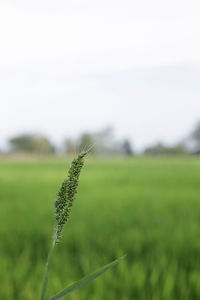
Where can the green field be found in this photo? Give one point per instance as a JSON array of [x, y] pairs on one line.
[[148, 208]]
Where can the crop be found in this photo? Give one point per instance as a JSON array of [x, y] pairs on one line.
[[63, 205], [148, 206]]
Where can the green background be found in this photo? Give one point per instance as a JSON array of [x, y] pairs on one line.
[[148, 208]]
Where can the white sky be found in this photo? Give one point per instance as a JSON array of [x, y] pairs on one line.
[[70, 66]]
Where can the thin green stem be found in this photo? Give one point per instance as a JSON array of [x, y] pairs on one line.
[[45, 279]]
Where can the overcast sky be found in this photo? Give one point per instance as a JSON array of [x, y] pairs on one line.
[[75, 65]]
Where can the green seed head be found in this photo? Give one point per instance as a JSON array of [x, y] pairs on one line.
[[66, 195]]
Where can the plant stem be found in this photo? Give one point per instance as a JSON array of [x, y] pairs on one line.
[[45, 279]]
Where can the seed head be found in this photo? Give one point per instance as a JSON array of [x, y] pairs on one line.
[[66, 195]]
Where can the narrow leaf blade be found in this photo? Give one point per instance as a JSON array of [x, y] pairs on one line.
[[85, 280]]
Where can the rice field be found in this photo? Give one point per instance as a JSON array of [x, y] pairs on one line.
[[148, 208]]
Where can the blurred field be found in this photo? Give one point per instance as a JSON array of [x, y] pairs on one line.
[[148, 208]]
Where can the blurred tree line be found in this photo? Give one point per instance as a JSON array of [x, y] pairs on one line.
[[99, 143], [190, 146], [31, 143], [102, 142]]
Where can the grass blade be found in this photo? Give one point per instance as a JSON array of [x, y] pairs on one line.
[[85, 280]]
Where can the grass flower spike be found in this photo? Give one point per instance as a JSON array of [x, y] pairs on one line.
[[66, 195]]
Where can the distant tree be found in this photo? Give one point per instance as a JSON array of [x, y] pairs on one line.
[[127, 148], [105, 142], [194, 140], [31, 143], [161, 149], [101, 142], [86, 141], [70, 146]]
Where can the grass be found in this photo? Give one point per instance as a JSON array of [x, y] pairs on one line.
[[148, 208]]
